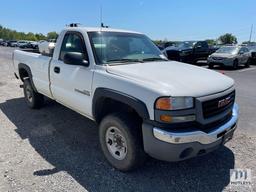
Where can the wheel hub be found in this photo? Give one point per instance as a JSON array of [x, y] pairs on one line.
[[116, 143]]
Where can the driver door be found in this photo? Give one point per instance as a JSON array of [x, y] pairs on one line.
[[71, 83]]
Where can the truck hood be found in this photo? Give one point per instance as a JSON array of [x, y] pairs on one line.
[[172, 48], [223, 55], [174, 78]]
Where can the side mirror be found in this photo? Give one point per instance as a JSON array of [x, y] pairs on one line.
[[241, 53], [198, 47], [75, 58]]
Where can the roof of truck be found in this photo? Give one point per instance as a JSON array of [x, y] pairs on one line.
[[97, 29]]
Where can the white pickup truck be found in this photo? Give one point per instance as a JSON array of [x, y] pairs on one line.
[[143, 103]]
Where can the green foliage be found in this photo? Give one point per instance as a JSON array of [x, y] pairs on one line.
[[8, 34], [228, 38], [52, 35], [211, 41]]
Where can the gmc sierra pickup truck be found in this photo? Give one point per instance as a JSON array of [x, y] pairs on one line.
[[143, 103]]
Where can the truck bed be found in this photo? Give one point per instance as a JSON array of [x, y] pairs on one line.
[[38, 65]]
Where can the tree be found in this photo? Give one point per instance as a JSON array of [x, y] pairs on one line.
[[228, 38], [52, 35], [8, 34], [211, 41]]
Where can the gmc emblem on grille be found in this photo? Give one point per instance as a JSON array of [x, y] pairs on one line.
[[224, 102]]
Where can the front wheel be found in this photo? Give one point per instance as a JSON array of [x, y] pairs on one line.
[[121, 141], [235, 64], [33, 99], [248, 63], [211, 66]]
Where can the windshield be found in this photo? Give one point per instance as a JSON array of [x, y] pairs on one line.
[[252, 48], [116, 47], [228, 50], [185, 44]]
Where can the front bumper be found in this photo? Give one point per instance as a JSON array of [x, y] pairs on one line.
[[177, 146], [224, 62]]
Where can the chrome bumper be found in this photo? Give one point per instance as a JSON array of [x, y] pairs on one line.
[[198, 136]]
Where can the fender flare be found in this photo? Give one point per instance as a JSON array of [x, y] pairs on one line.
[[27, 68], [129, 100]]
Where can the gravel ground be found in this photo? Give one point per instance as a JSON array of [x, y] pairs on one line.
[[55, 149]]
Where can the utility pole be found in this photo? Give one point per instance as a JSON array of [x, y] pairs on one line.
[[251, 34]]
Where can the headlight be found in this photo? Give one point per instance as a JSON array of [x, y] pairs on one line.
[[167, 104], [174, 103]]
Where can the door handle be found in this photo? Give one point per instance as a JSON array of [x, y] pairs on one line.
[[56, 69]]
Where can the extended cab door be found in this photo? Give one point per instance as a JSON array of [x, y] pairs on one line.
[[71, 83], [201, 50]]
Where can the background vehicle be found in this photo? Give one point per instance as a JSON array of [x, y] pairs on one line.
[[189, 51], [12, 43], [121, 80], [231, 56], [164, 45], [252, 49], [52, 40], [23, 44], [4, 43], [34, 44]]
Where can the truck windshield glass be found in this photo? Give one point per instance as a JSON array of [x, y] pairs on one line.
[[228, 50], [185, 44], [121, 48]]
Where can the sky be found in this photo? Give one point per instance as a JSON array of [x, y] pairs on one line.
[[159, 19]]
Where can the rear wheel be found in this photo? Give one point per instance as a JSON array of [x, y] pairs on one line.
[[235, 64], [121, 141], [33, 99]]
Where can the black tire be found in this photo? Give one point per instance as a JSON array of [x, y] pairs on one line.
[[235, 64], [248, 63], [33, 99], [130, 128], [211, 66]]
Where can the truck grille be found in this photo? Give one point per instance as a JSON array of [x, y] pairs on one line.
[[173, 55], [217, 58], [217, 106]]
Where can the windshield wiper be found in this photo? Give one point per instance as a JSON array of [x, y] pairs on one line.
[[155, 59], [123, 61]]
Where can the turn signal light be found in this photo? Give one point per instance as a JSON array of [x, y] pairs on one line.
[[166, 118], [163, 103]]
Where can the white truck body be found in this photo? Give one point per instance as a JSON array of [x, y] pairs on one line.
[[74, 86]]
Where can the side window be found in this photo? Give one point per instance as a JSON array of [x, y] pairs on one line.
[[204, 45], [242, 50], [246, 50], [199, 45], [73, 42]]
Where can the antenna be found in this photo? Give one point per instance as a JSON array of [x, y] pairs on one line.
[[251, 34], [101, 19], [101, 23]]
